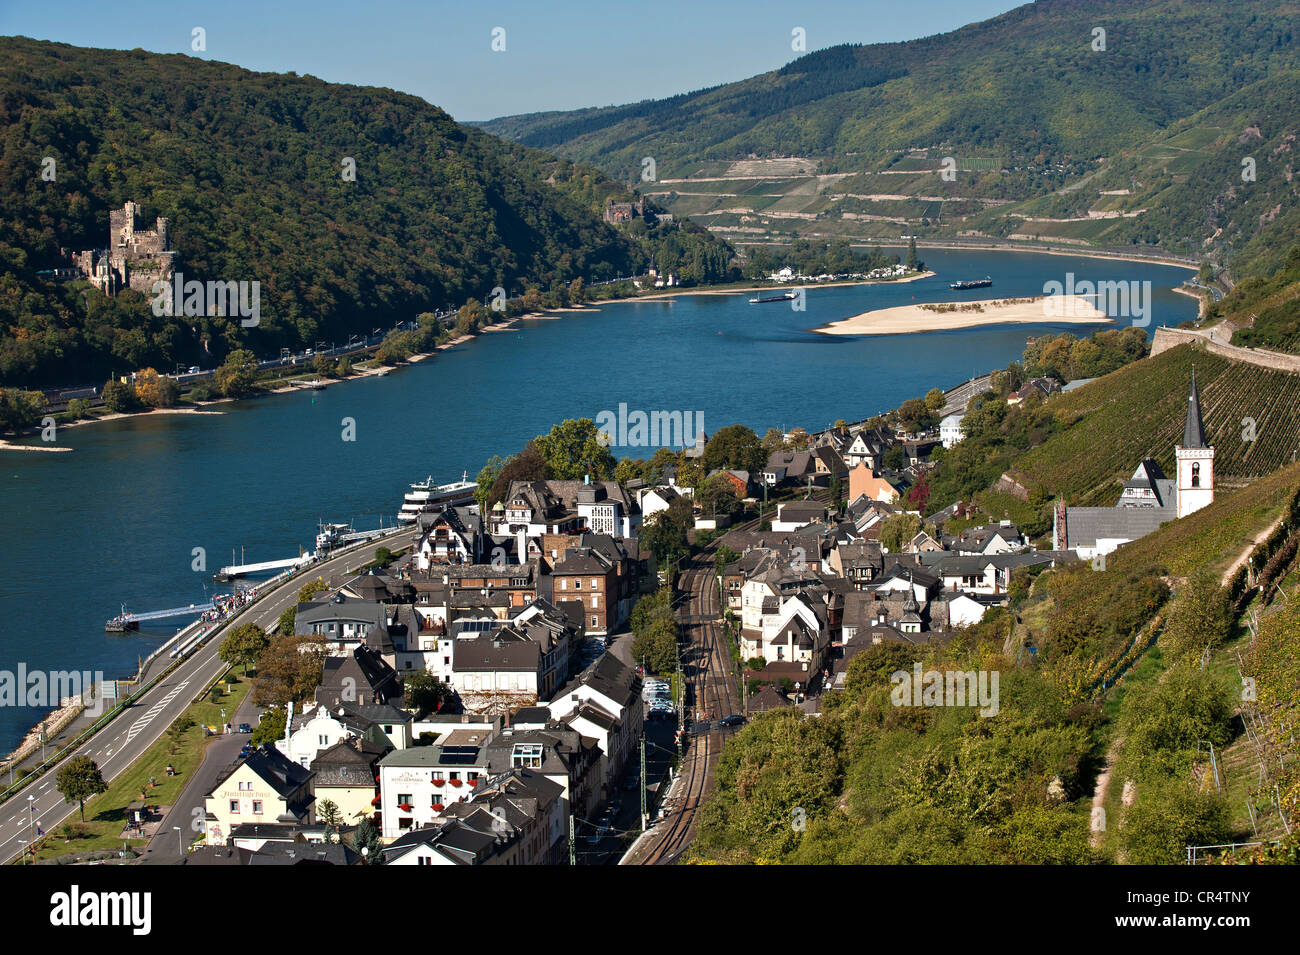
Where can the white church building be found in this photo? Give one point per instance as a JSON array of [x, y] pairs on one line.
[[1149, 498]]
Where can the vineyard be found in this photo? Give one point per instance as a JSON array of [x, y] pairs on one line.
[[1251, 415]]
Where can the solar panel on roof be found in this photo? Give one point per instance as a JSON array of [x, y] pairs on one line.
[[458, 755]]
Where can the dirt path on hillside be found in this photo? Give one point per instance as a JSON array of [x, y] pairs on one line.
[[1102, 790], [1245, 554]]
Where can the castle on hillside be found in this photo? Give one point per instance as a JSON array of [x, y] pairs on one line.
[[1148, 500], [134, 259]]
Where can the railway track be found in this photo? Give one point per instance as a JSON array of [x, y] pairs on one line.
[[713, 692]]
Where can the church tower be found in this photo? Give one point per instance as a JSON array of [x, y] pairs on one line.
[[1195, 460]]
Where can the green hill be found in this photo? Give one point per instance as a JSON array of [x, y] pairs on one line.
[[248, 169], [1264, 312], [1138, 143]]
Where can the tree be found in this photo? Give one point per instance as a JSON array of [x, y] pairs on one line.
[[897, 529], [119, 397], [243, 645], [270, 727], [913, 415], [723, 556], [235, 377], [309, 590], [154, 390], [573, 450], [527, 465], [78, 780], [487, 476], [20, 409], [717, 495], [366, 841], [425, 692], [1201, 617], [913, 264], [690, 473], [327, 812], [653, 623], [287, 620], [286, 672], [1167, 817], [664, 533], [934, 399], [734, 447]]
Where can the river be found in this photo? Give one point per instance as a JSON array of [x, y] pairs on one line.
[[117, 522]]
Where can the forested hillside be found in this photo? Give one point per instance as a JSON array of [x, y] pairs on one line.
[[249, 168]]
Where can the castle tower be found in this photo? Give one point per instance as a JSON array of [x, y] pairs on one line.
[[1195, 460]]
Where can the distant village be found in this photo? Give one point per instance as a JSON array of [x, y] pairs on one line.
[[516, 611]]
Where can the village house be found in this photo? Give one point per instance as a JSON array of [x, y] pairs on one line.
[[344, 774], [263, 787], [864, 483], [793, 515], [454, 535], [516, 819], [604, 703], [950, 429], [535, 508], [417, 784]]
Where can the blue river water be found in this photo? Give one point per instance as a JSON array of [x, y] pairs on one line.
[[117, 521]]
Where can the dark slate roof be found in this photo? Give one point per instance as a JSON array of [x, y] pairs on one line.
[[274, 768], [362, 675], [304, 853], [500, 650], [1085, 525], [1193, 430], [766, 699]]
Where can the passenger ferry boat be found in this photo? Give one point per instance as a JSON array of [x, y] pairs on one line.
[[425, 494]]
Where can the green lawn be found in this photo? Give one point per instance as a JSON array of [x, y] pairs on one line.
[[106, 813]]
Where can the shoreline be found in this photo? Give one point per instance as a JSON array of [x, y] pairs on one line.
[[1203, 297], [771, 287], [6, 445], [558, 313], [1084, 252], [918, 318]]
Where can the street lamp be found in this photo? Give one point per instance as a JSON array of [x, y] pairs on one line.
[[180, 844]]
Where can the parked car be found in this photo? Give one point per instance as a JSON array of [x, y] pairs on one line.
[[735, 719]]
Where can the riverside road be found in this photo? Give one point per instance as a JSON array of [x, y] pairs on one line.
[[130, 734]]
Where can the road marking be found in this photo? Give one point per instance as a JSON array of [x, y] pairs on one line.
[[138, 726]]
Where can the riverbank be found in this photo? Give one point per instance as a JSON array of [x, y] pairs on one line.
[[1204, 298], [1158, 258], [775, 287], [99, 419], [947, 316]]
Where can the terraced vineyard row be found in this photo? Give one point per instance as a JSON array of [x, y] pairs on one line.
[[1139, 411]]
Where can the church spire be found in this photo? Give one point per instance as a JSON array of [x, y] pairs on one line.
[[1193, 431]]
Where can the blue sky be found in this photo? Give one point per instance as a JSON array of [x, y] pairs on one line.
[[561, 54]]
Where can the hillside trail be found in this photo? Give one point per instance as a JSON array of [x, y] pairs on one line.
[[1102, 790], [1245, 554]]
